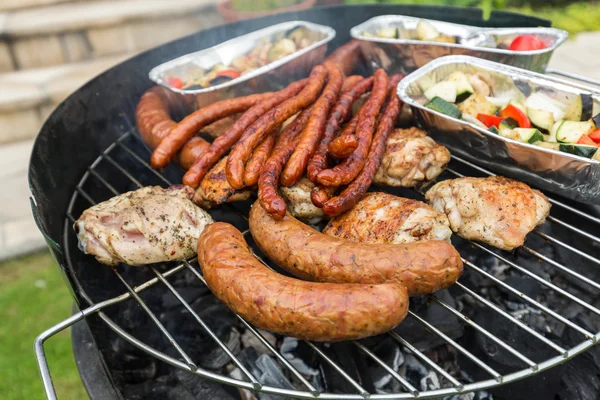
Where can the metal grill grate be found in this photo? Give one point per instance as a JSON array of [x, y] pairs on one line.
[[129, 147]]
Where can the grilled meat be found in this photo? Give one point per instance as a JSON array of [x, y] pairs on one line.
[[215, 190], [494, 210], [411, 157], [145, 226], [299, 203], [384, 218]]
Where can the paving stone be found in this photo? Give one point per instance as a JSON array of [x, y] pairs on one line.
[[75, 46], [38, 51], [110, 40], [20, 237], [15, 96], [19, 125], [19, 4]]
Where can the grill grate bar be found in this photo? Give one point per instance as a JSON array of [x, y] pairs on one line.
[[419, 354], [512, 319], [562, 267], [141, 160], [264, 341], [531, 301], [154, 319], [553, 201], [485, 332], [457, 346], [544, 282], [389, 370], [122, 170], [222, 345], [566, 246]]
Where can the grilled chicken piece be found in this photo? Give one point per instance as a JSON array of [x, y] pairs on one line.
[[215, 190], [384, 218], [411, 157], [299, 203], [495, 210], [145, 226]]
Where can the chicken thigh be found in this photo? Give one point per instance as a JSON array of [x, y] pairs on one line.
[[384, 218], [145, 226], [299, 203], [411, 157], [495, 210], [215, 189]]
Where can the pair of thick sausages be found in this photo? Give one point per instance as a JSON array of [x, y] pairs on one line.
[[306, 310], [421, 267]]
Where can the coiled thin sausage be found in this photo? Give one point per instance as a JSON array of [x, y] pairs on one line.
[[256, 132], [357, 189], [421, 267], [348, 169], [258, 159], [339, 114], [223, 143], [350, 82], [306, 310], [190, 125], [313, 131], [345, 144], [268, 182]]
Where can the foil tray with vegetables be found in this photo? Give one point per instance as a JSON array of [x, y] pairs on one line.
[[263, 60], [402, 44], [543, 130]]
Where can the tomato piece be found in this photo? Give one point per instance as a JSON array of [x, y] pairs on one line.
[[175, 82], [230, 73], [527, 43], [585, 139], [489, 120], [595, 135], [513, 112]]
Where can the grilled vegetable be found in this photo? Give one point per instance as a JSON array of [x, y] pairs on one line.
[[540, 101], [527, 43], [388, 33], [595, 135], [541, 118], [493, 129], [440, 105], [281, 48], [463, 87], [476, 104], [512, 111], [529, 135], [548, 145], [489, 120], [426, 31], [579, 150], [445, 90], [571, 131]]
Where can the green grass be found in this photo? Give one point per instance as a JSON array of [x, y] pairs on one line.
[[33, 297]]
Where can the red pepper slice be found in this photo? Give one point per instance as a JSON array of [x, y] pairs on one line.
[[527, 43], [513, 112], [175, 82], [230, 73], [585, 139], [595, 135], [489, 120]]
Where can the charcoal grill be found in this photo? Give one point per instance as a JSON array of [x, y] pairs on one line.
[[89, 150]]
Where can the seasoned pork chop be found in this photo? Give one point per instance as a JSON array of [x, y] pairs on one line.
[[384, 218], [411, 157], [145, 226], [494, 210]]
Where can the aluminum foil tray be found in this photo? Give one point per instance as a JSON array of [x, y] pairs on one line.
[[405, 55], [571, 176], [272, 76]]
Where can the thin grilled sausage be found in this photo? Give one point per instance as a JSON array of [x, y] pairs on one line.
[[190, 125], [256, 132], [350, 82], [324, 312], [421, 267], [346, 56], [348, 169], [320, 194], [258, 159], [313, 131], [268, 182], [345, 144], [338, 115], [357, 189], [191, 151], [223, 143]]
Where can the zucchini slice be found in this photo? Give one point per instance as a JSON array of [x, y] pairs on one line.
[[571, 131], [499, 102], [548, 145], [540, 101], [440, 105], [445, 90], [541, 118], [463, 87], [388, 33], [579, 150], [529, 135], [575, 109], [426, 31], [596, 120], [493, 129]]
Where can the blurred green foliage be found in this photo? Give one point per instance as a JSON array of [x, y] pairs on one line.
[[260, 5], [573, 17]]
